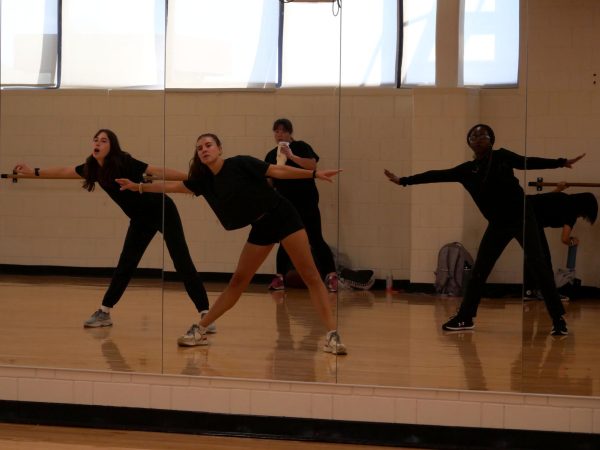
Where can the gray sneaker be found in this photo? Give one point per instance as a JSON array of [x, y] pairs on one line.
[[333, 344], [196, 335], [98, 319], [212, 328]]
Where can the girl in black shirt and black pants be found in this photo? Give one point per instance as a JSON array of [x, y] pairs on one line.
[[490, 180], [107, 162]]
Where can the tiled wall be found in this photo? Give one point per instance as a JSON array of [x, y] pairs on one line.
[[383, 226], [307, 400]]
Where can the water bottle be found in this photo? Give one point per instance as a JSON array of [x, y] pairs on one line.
[[389, 282]]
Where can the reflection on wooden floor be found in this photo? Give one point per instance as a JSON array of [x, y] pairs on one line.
[[34, 437], [393, 339]]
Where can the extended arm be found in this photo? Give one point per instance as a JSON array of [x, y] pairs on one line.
[[166, 174], [535, 163], [158, 187], [431, 176], [293, 173], [50, 172]]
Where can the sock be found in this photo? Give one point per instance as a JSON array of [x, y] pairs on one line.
[[105, 309]]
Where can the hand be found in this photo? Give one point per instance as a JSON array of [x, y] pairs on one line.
[[561, 186], [23, 169], [327, 175], [393, 178], [127, 185], [570, 162], [286, 150]]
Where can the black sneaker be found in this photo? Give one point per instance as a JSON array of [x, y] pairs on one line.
[[457, 323], [559, 327]]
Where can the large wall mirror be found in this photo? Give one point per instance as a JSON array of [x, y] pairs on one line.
[[60, 243]]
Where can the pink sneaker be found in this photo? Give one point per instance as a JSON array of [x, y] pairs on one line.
[[331, 281], [277, 284]]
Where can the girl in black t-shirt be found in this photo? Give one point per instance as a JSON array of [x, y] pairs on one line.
[[107, 162], [558, 210], [490, 180], [238, 192]]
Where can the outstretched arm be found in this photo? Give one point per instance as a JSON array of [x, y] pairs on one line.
[[293, 173], [159, 187], [50, 172], [166, 174]]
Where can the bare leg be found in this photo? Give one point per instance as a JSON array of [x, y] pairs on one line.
[[297, 247], [250, 260]]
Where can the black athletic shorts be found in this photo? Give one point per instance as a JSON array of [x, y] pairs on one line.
[[275, 225]]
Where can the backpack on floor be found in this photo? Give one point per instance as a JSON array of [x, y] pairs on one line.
[[453, 269]]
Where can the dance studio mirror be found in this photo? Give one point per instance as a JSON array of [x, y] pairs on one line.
[[60, 243]]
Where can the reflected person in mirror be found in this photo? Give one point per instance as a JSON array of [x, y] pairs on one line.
[[559, 210], [490, 180], [237, 191], [304, 195], [107, 162]]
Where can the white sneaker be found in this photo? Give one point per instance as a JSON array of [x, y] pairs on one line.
[[212, 328], [333, 344], [196, 335]]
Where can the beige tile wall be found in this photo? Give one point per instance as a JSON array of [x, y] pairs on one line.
[[383, 226]]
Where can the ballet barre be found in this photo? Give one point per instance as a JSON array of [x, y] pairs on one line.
[[16, 176], [540, 183]]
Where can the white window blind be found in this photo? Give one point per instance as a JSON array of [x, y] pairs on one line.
[[418, 51], [491, 42], [311, 43], [29, 42], [222, 44], [113, 43]]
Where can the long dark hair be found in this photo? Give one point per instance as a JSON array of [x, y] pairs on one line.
[[585, 205], [113, 162], [198, 168]]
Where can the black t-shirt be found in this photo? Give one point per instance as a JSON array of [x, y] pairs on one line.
[[147, 206], [553, 209], [491, 182], [301, 191], [239, 194]]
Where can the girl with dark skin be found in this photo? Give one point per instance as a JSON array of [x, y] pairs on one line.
[[238, 192], [107, 162], [490, 181]]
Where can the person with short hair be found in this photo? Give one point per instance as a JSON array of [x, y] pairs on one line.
[[304, 195], [490, 181], [558, 210]]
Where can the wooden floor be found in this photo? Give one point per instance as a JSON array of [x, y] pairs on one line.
[[30, 437], [393, 339]]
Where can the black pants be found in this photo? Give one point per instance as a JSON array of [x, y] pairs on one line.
[[494, 241], [311, 217], [528, 283], [139, 235]]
